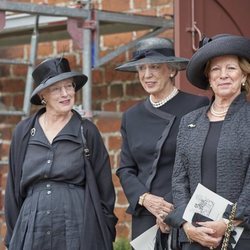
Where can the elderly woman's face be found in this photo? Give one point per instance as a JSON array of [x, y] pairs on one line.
[[60, 96], [155, 78], [225, 76]]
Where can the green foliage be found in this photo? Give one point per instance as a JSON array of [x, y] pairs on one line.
[[122, 244]]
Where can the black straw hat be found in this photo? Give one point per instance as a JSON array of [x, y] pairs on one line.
[[154, 50], [51, 71], [219, 45]]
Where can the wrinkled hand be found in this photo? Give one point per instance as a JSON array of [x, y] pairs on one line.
[[203, 235], [218, 226], [163, 226], [157, 206]]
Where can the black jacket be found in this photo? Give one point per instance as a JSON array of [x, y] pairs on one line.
[[233, 160], [101, 173], [145, 145]]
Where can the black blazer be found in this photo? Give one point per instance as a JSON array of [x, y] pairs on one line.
[[148, 147], [233, 158]]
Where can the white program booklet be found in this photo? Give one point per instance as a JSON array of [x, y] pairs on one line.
[[209, 204], [145, 241]]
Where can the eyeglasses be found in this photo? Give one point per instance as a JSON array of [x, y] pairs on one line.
[[57, 90]]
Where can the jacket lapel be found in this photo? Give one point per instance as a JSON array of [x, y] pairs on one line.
[[168, 117]]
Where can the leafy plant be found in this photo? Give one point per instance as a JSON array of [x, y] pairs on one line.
[[122, 244]]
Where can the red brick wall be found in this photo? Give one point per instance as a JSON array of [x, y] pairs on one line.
[[112, 90]]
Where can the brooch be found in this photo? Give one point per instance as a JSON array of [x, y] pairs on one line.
[[32, 131], [191, 125]]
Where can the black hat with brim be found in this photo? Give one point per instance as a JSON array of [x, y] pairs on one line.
[[219, 45], [154, 50], [52, 71]]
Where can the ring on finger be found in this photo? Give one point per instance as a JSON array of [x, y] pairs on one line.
[[162, 216]]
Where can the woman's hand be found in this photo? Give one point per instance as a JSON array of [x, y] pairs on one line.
[[163, 226], [203, 235], [218, 226], [157, 206]]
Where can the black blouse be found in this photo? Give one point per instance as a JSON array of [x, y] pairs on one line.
[[209, 156], [62, 160]]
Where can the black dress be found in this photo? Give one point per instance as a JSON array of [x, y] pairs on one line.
[[52, 181]]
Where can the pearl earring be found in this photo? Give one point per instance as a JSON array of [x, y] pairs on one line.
[[243, 84], [43, 102]]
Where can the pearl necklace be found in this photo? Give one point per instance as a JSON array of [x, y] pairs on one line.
[[217, 113], [162, 102]]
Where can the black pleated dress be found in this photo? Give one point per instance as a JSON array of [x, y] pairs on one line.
[[53, 180]]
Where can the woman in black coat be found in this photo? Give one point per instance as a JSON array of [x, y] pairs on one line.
[[149, 131], [213, 147], [57, 197]]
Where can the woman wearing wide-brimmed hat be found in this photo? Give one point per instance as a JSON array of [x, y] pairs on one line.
[[149, 131], [213, 146], [54, 199]]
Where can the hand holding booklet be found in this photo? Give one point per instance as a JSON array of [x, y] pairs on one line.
[[208, 204]]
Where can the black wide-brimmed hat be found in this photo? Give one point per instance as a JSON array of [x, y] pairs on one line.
[[219, 45], [154, 50], [51, 71]]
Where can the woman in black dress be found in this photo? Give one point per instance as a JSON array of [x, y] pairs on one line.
[[51, 192], [149, 131], [213, 146]]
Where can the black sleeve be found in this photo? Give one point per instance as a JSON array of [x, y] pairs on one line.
[[102, 170], [128, 171], [12, 202]]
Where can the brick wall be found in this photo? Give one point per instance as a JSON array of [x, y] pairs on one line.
[[112, 91]]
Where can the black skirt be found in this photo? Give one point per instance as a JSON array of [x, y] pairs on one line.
[[51, 218]]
